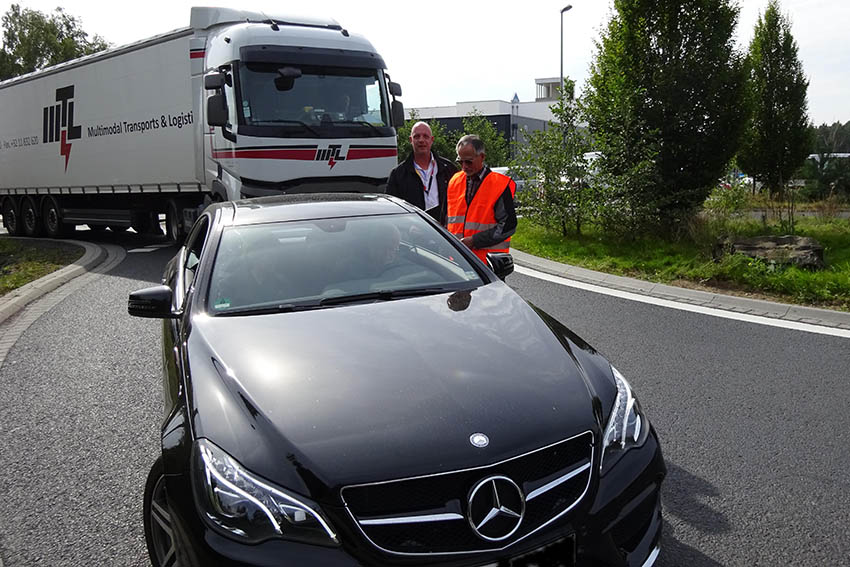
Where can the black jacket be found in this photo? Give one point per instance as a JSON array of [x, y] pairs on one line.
[[406, 184]]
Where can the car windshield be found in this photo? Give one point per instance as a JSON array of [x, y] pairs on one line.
[[314, 264]]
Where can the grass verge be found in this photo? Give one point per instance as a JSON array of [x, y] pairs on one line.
[[22, 261], [689, 262]]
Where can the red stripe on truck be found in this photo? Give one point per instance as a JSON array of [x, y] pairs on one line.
[[196, 54], [368, 153], [305, 154]]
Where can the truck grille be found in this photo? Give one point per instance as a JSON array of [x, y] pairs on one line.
[[430, 514]]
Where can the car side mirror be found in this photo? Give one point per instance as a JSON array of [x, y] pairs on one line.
[[501, 263], [152, 302]]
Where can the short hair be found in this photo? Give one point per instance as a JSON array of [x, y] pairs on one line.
[[473, 140], [421, 123]]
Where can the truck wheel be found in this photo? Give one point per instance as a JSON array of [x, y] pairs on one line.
[[173, 222], [163, 533], [146, 223], [51, 218], [31, 217], [12, 218]]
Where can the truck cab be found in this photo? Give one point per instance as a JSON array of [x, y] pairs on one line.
[[290, 105]]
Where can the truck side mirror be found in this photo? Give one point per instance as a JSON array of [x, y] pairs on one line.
[[216, 110], [214, 81], [395, 89], [398, 113]]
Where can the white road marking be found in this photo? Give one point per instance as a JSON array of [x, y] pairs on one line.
[[713, 312]]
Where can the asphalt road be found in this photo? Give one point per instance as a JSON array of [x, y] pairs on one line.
[[753, 422]]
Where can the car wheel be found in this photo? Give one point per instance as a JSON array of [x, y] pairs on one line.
[[163, 534], [31, 217]]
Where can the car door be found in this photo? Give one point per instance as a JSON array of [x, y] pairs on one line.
[[182, 281]]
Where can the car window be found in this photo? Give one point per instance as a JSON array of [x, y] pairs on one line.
[[305, 262], [194, 249]]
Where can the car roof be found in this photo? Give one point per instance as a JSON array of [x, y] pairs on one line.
[[305, 206]]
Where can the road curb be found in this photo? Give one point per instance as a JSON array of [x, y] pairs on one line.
[[19, 298], [757, 307]]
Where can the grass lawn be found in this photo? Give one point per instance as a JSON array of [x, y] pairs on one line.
[[689, 262], [22, 261]]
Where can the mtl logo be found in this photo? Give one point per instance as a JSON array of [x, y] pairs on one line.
[[58, 122], [331, 154]]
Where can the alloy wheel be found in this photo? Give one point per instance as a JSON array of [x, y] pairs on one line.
[[164, 548]]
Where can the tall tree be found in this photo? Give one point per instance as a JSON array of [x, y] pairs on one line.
[[664, 104], [777, 138], [33, 40]]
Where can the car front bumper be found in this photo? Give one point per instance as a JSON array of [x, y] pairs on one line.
[[619, 524]]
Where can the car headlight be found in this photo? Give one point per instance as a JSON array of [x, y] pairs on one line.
[[245, 507], [627, 425]]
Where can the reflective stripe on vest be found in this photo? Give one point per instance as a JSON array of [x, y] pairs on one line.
[[479, 215]]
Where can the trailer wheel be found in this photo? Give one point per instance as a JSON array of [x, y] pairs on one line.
[[173, 222], [11, 217], [31, 216], [51, 217]]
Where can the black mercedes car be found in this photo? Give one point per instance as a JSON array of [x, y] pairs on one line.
[[347, 385]]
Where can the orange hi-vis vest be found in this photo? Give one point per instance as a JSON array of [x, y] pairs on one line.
[[479, 215]]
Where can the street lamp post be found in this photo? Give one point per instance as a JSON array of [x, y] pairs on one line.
[[561, 84]]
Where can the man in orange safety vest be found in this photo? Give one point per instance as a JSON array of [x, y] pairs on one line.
[[481, 208]]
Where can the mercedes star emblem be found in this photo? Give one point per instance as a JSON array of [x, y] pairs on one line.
[[479, 440], [496, 508]]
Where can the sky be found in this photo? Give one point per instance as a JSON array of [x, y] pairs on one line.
[[443, 52]]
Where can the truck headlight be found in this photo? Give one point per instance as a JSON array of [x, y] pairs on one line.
[[627, 425], [245, 507]]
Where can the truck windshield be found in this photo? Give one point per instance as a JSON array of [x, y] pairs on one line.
[[323, 102]]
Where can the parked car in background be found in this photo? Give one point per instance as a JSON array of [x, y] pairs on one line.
[[520, 183], [346, 384]]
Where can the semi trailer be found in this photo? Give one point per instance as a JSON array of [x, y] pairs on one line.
[[236, 105]]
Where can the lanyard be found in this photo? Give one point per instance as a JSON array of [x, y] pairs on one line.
[[427, 188]]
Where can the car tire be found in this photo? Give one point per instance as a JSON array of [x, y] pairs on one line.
[[164, 535]]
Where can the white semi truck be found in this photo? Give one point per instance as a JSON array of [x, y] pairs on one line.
[[237, 105]]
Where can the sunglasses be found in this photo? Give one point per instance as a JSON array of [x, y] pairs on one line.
[[465, 161]]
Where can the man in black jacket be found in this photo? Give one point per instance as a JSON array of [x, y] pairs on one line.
[[423, 178]]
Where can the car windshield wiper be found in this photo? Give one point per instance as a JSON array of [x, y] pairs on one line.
[[382, 295], [363, 122], [267, 309], [285, 121]]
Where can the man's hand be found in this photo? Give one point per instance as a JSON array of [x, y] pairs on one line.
[[468, 241]]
